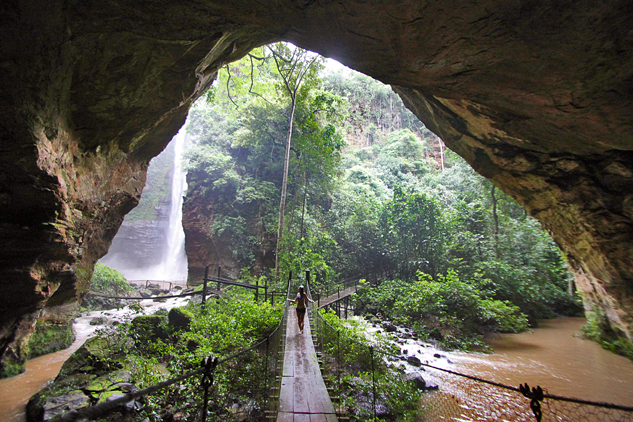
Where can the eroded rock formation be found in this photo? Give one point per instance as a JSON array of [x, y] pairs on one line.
[[535, 95]]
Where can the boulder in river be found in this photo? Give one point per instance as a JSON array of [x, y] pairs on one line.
[[420, 382], [389, 327], [98, 321], [416, 378], [414, 361]]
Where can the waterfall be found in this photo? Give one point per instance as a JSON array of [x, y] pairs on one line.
[[155, 249], [173, 266]]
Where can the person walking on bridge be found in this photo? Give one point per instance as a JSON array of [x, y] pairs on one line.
[[301, 300]]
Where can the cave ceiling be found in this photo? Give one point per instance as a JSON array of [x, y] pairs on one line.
[[536, 96]]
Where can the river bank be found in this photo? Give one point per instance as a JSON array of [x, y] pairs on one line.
[[16, 391]]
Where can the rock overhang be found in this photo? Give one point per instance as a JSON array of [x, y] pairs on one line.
[[536, 96]]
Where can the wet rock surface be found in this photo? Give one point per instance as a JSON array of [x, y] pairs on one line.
[[87, 378]]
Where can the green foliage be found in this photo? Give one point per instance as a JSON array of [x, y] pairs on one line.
[[451, 311], [237, 164], [416, 229], [108, 280], [363, 358], [599, 330], [11, 368], [152, 350], [223, 326], [354, 349]]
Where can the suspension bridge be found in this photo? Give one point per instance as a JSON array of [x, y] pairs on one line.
[[296, 390]]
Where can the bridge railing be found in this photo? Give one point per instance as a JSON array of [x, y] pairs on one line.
[[265, 362], [328, 290], [460, 396]]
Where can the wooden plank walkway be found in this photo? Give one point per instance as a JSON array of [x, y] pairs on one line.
[[337, 296], [303, 396]]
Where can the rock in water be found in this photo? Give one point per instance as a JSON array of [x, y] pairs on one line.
[[413, 360], [417, 379]]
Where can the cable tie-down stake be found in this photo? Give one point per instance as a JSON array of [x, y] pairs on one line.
[[536, 394]]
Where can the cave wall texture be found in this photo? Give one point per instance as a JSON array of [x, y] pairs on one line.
[[536, 95]]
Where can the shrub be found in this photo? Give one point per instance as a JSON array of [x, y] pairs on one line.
[[108, 280], [448, 310]]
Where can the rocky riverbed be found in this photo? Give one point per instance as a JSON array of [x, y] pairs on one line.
[[42, 372]]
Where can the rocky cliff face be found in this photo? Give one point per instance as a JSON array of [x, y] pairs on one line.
[[536, 96], [204, 248], [138, 244]]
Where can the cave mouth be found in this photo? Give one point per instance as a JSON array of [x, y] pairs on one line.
[[137, 252], [536, 98]]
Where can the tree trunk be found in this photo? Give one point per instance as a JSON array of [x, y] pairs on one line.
[[495, 217], [284, 183], [305, 195]]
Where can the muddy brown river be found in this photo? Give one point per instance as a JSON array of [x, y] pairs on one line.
[[552, 356], [556, 358]]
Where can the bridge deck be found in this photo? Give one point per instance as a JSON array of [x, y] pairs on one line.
[[303, 396], [337, 296]]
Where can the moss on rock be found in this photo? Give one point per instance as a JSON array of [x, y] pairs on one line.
[[600, 330], [93, 357], [148, 328], [50, 337], [11, 368], [179, 318]]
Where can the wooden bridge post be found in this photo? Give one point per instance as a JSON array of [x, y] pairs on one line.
[[219, 272], [256, 290], [204, 288], [266, 289]]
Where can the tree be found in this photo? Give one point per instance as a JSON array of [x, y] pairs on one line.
[[295, 66], [415, 225]]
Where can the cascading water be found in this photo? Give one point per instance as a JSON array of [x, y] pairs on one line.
[[173, 266], [155, 250]]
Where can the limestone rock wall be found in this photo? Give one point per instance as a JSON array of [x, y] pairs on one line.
[[536, 96], [88, 97], [204, 248]]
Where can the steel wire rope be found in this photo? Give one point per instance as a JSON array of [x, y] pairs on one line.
[[107, 407], [496, 384]]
